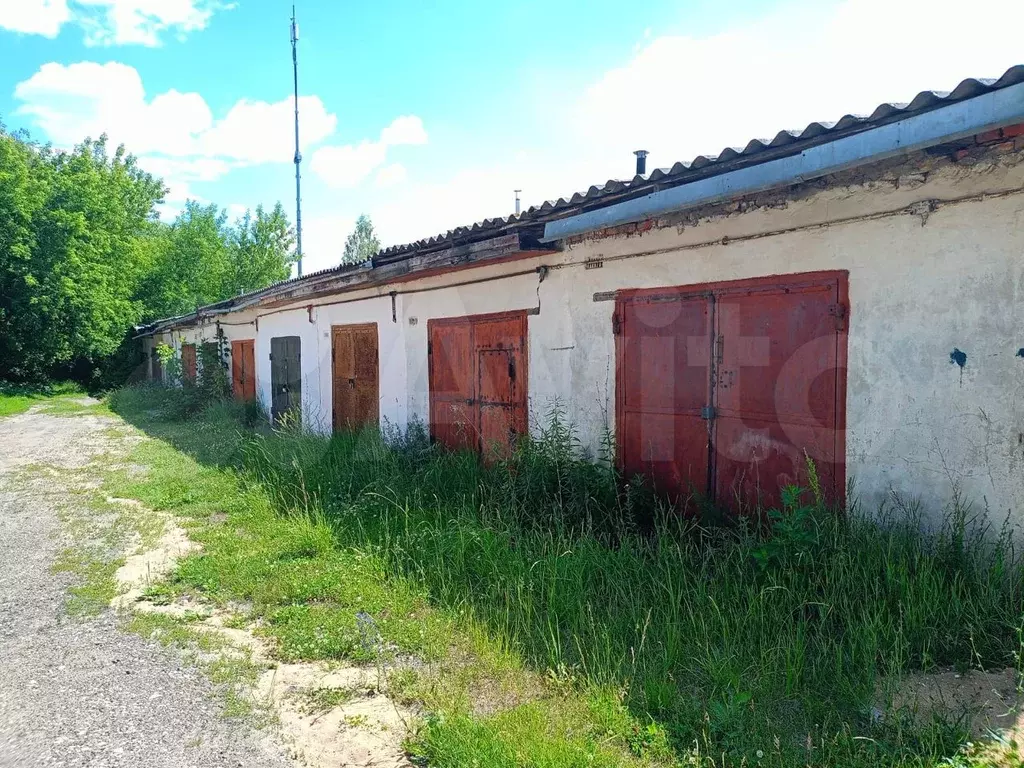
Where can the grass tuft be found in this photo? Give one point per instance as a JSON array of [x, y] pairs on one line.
[[544, 612]]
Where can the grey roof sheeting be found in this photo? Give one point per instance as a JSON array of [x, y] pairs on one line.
[[756, 151]]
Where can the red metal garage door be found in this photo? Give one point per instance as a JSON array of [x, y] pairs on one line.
[[750, 398], [663, 387], [478, 381]]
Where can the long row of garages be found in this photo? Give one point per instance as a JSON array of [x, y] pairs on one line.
[[872, 326]]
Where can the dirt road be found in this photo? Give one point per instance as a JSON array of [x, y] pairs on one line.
[[80, 692]]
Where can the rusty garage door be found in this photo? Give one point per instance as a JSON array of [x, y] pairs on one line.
[[285, 376], [243, 369], [478, 380], [722, 388], [188, 362], [356, 398]]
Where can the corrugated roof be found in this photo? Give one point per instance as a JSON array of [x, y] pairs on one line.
[[755, 151], [790, 142]]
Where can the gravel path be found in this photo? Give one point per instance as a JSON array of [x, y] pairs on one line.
[[81, 692]]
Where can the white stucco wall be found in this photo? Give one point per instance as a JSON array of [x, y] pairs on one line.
[[391, 352], [919, 287], [316, 359]]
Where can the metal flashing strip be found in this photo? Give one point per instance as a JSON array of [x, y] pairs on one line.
[[989, 111]]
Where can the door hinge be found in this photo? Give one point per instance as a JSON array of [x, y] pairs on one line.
[[512, 369], [838, 311], [616, 324], [708, 412]]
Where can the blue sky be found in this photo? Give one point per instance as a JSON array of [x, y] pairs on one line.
[[428, 115]]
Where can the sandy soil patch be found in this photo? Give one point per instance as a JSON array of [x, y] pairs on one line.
[[985, 702], [365, 729]]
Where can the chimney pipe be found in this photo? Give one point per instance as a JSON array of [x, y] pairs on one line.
[[517, 191], [641, 161]]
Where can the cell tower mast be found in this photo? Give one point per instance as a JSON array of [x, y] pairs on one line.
[[298, 155]]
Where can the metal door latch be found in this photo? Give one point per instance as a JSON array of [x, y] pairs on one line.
[[708, 412]]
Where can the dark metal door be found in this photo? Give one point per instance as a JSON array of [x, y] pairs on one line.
[[356, 399], [664, 346], [158, 368], [285, 376]]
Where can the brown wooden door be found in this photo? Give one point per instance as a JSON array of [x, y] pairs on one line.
[[452, 373], [725, 389], [355, 376], [188, 362], [478, 381], [243, 369], [501, 377]]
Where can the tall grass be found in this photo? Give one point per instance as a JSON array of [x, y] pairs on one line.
[[730, 638]]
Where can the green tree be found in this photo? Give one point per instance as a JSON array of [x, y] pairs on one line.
[[84, 258], [261, 250], [191, 262], [71, 252], [362, 244]]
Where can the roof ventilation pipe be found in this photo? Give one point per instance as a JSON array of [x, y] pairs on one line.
[[641, 161]]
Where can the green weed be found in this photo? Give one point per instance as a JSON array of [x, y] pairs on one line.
[[568, 617], [18, 398]]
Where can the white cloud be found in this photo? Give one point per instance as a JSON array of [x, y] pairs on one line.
[[142, 22], [414, 211], [258, 132], [407, 129], [323, 240], [175, 134], [347, 166], [34, 17], [179, 175], [391, 175], [88, 99], [680, 96], [110, 22], [236, 211]]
